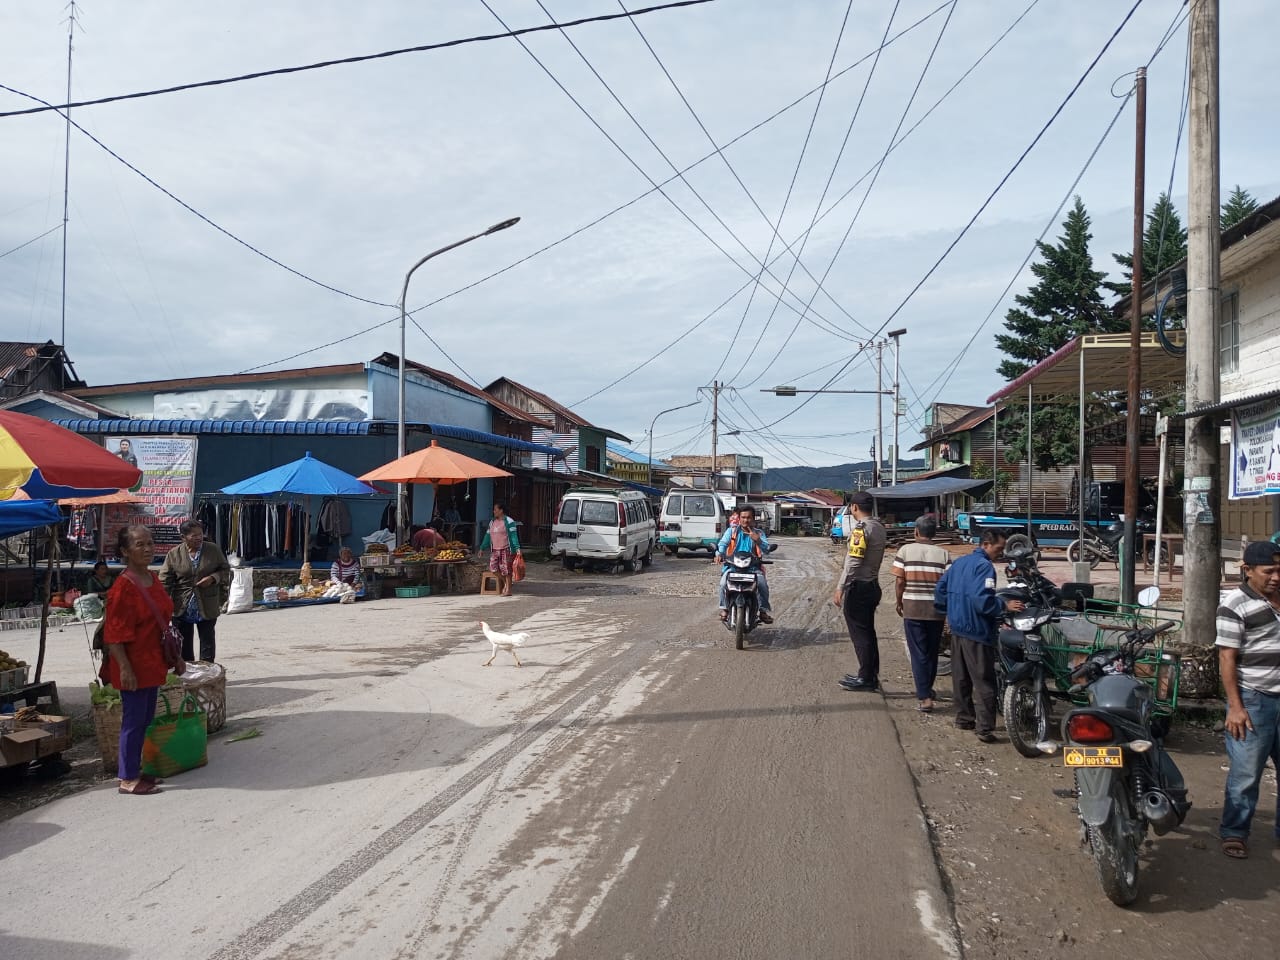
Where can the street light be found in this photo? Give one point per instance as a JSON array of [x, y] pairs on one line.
[[402, 524], [652, 424], [897, 402]]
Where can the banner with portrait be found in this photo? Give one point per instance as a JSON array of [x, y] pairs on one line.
[[167, 489], [1255, 449]]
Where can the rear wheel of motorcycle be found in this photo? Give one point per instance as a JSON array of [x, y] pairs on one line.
[[1091, 554], [1115, 852], [1026, 717], [740, 628]]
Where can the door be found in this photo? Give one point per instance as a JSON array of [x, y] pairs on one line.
[[598, 528], [700, 519]]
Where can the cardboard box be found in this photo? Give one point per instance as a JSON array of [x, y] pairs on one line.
[[33, 739]]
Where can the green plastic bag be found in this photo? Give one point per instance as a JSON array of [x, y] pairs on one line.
[[176, 741]]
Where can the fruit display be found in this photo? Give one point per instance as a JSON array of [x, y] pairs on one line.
[[10, 663], [449, 555], [380, 548]]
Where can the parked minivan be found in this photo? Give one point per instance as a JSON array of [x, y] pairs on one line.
[[604, 526], [691, 519]]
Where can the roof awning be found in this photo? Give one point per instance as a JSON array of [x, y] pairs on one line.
[[309, 428], [1225, 405], [933, 487], [1056, 379]]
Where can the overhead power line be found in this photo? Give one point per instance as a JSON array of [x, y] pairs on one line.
[[985, 203], [53, 229], [421, 48]]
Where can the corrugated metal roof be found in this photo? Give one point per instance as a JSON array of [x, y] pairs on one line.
[[310, 428], [1227, 404]]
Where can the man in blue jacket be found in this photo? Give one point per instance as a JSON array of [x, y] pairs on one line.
[[744, 537], [967, 595]]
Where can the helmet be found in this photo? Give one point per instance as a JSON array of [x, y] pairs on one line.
[[1019, 547]]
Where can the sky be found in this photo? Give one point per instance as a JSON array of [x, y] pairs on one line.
[[351, 173]]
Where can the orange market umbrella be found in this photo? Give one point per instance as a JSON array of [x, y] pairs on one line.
[[120, 496], [435, 465]]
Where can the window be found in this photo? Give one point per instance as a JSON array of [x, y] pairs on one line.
[[675, 506], [699, 506], [600, 513], [1229, 334], [593, 459], [569, 511], [631, 512]]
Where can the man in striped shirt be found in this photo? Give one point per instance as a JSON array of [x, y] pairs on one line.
[[1249, 661], [916, 570]]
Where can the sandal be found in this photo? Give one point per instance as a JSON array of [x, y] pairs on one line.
[[140, 789], [765, 617], [724, 616], [1235, 848], [924, 707]]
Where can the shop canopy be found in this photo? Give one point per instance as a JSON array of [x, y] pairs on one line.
[[1101, 361], [923, 489], [19, 516], [306, 476]]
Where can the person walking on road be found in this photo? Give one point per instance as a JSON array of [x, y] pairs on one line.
[[503, 544], [198, 577], [857, 592], [916, 571], [967, 595], [1248, 628]]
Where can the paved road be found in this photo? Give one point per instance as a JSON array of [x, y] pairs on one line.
[[638, 788]]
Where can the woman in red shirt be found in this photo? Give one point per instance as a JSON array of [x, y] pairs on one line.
[[131, 634]]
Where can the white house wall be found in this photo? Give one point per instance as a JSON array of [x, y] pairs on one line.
[[1259, 313]]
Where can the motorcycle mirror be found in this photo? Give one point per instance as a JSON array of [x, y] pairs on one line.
[[1149, 597], [773, 547]]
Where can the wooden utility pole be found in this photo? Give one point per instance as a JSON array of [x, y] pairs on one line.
[[715, 429], [1202, 535], [1133, 448]]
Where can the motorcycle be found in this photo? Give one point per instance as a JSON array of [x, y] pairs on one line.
[[1125, 781], [1022, 673], [741, 595], [1095, 546]]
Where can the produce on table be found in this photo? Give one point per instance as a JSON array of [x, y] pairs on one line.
[[10, 663]]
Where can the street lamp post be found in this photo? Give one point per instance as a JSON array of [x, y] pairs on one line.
[[652, 424], [402, 520], [897, 403]]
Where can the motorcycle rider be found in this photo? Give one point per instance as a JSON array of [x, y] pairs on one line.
[[742, 538]]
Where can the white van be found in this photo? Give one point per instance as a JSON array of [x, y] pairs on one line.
[[599, 525], [692, 519]]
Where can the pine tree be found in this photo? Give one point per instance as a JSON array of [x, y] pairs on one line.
[[1063, 303], [1164, 243], [1238, 206]]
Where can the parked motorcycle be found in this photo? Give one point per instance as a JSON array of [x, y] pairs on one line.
[[741, 595], [1125, 781], [1021, 670], [1095, 546]]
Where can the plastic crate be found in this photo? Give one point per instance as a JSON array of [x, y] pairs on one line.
[[406, 593], [11, 680]]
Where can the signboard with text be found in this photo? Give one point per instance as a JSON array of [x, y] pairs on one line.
[[167, 487], [1255, 449]]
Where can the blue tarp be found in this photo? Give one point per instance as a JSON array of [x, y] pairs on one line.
[[19, 516], [308, 475]]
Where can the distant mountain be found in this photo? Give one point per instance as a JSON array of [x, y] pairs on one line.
[[839, 477]]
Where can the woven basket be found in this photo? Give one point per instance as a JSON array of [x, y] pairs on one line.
[[211, 696], [106, 724], [1199, 678]]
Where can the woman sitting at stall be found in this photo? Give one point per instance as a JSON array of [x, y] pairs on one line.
[[346, 569], [100, 580]]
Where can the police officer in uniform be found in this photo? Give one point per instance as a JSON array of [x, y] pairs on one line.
[[857, 592]]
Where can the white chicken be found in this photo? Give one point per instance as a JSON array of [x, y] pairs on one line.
[[503, 641]]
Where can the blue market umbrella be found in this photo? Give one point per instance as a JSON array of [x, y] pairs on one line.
[[306, 476]]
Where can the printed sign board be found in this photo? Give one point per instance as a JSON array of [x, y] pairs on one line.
[[1255, 450], [167, 487]]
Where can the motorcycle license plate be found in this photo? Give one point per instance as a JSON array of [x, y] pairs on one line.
[[1092, 757]]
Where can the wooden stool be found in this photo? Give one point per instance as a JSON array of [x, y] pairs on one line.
[[489, 586]]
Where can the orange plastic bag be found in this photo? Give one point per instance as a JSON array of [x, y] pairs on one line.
[[517, 569]]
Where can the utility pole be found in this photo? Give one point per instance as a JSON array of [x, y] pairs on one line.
[[879, 407], [715, 427], [1201, 543], [897, 404], [1132, 474], [66, 177]]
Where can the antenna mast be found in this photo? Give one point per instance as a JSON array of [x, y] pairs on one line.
[[66, 176]]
